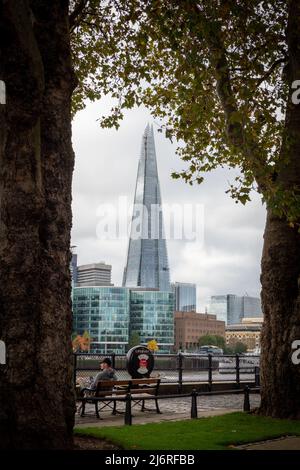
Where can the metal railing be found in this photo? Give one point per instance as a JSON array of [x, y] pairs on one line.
[[179, 368], [128, 399]]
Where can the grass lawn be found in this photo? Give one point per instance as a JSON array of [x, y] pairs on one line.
[[215, 433]]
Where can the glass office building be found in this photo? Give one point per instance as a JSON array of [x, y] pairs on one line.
[[252, 307], [147, 259], [73, 269], [110, 314], [152, 317], [232, 308], [185, 296], [104, 313], [218, 306]]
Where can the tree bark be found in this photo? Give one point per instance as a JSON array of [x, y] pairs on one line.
[[36, 165], [280, 378]]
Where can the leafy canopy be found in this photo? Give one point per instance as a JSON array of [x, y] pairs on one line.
[[212, 340], [213, 73]]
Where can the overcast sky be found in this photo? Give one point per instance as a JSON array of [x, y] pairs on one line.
[[228, 260]]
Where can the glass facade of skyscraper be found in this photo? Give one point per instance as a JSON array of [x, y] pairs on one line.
[[104, 313], [235, 311], [147, 259], [152, 316], [111, 314], [73, 269], [232, 308], [185, 296], [218, 306], [252, 307]]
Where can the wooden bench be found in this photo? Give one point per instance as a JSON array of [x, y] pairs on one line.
[[138, 388]]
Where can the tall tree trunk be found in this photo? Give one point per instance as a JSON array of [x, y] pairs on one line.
[[36, 164], [281, 265], [280, 378]]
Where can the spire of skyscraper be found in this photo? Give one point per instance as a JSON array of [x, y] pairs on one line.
[[147, 259]]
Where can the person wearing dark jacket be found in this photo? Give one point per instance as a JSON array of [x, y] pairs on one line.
[[106, 373]]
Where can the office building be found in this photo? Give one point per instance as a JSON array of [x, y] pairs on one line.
[[104, 313], [147, 259], [110, 314], [232, 308], [96, 274], [73, 267], [185, 296], [190, 326], [252, 307], [152, 317]]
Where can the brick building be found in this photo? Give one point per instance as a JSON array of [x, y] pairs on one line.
[[189, 326]]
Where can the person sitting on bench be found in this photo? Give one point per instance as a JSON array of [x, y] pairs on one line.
[[107, 373]]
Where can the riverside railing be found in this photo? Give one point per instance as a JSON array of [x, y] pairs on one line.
[[193, 395], [179, 368]]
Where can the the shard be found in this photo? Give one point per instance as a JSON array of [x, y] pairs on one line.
[[147, 259]]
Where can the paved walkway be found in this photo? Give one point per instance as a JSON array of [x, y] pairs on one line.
[[283, 443], [172, 410]]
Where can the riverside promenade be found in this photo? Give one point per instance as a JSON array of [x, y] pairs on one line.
[[171, 410]]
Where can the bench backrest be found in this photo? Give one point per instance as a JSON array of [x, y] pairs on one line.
[[144, 381], [145, 385], [107, 387]]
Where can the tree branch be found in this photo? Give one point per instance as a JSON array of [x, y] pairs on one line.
[[77, 13], [235, 129], [282, 60]]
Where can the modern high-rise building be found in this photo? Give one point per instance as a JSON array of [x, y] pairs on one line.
[[96, 274], [185, 296], [252, 307], [232, 308], [104, 313], [109, 314], [73, 266], [152, 317], [147, 260]]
